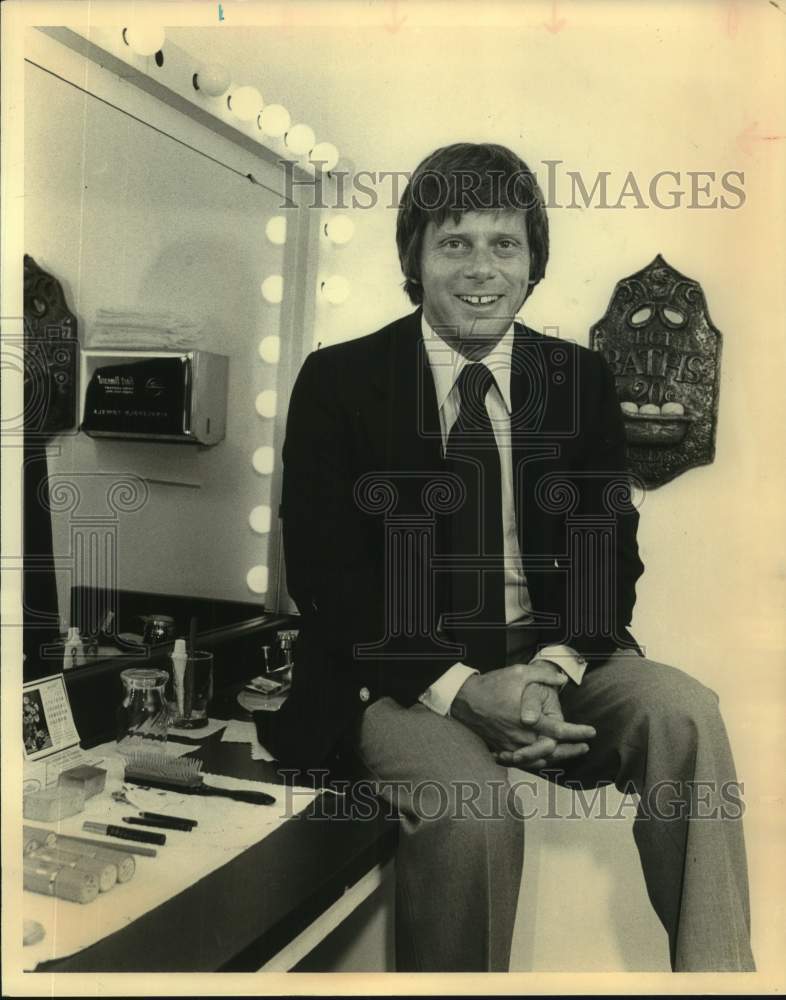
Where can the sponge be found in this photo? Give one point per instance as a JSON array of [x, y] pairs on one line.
[[51, 804], [92, 779]]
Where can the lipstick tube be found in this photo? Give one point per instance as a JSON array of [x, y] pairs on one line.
[[180, 819], [164, 822]]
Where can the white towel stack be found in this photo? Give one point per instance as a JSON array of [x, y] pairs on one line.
[[118, 329]]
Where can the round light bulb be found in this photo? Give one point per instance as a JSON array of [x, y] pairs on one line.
[[274, 120], [340, 229], [256, 578], [144, 39], [260, 518], [273, 288], [245, 103], [266, 403], [300, 139], [324, 156], [270, 349], [276, 230], [263, 460], [335, 289], [345, 167], [213, 80]]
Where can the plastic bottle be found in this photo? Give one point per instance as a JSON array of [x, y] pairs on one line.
[[179, 661], [74, 653]]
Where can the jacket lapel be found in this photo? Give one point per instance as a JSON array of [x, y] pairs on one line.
[[409, 439], [411, 430], [534, 450]]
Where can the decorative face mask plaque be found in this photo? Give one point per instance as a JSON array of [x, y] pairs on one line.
[[665, 356], [51, 355]]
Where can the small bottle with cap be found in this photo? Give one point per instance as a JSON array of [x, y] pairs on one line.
[[177, 689], [74, 652]]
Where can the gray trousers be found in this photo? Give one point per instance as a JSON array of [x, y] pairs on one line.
[[460, 856]]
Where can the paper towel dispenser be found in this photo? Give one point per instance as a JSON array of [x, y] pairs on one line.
[[178, 396]]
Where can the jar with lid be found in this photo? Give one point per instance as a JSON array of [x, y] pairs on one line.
[[157, 629], [143, 714]]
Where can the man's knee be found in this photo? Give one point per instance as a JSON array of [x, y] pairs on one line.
[[679, 704], [475, 799], [469, 822]]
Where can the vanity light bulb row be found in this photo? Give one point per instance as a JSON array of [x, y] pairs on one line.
[[274, 121], [245, 102]]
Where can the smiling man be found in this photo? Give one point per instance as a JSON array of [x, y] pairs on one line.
[[461, 543], [476, 268]]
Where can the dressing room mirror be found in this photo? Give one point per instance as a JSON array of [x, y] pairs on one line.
[[166, 234]]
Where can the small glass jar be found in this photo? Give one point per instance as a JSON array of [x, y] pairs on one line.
[[143, 715], [157, 629]]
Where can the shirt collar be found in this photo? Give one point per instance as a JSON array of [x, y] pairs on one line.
[[446, 364]]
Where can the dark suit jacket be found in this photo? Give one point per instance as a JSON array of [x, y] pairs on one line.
[[363, 447]]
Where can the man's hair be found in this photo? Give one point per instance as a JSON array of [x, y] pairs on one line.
[[468, 177]]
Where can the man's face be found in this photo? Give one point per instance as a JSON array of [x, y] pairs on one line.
[[475, 275]]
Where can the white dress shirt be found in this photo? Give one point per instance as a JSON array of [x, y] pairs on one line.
[[445, 365]]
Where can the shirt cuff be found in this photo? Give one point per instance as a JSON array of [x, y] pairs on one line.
[[439, 697], [567, 659]]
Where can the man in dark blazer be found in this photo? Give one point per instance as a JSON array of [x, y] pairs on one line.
[[460, 541]]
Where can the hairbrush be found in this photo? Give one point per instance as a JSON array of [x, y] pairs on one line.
[[182, 774]]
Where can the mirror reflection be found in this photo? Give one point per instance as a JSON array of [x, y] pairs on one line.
[[166, 246]]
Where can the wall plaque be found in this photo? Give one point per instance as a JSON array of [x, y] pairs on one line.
[[664, 353]]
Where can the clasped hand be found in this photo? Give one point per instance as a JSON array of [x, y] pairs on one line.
[[516, 710]]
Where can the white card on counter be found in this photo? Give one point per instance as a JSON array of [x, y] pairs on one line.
[[246, 732], [239, 732], [213, 726], [47, 723], [51, 740]]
